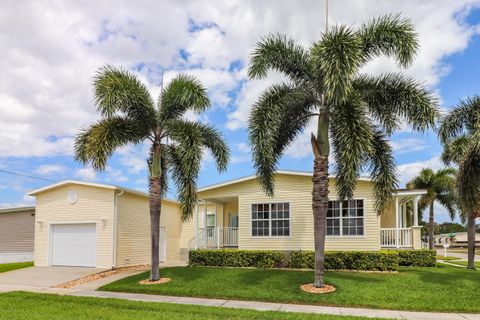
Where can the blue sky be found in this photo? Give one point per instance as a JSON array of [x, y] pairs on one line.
[[50, 58]]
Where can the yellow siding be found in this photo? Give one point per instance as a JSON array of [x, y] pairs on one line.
[[92, 205], [297, 191], [133, 230], [388, 218], [16, 231], [417, 238]]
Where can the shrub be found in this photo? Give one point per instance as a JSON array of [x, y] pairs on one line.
[[352, 260], [417, 258], [236, 258]]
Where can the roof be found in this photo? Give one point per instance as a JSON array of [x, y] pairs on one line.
[[17, 209], [250, 177], [90, 184]]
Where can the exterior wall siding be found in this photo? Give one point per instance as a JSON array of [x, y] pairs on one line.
[[92, 205], [297, 191], [133, 230], [17, 231]]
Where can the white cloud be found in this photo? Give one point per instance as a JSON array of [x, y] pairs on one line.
[[243, 147], [86, 173], [115, 175], [48, 169], [409, 170], [408, 145]]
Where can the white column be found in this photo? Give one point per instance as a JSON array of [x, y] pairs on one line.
[[196, 226], [205, 203], [404, 215], [397, 217], [415, 211]]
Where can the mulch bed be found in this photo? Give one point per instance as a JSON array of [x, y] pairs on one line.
[[310, 288], [160, 281]]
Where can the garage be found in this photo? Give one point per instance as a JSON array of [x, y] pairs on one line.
[[73, 245]]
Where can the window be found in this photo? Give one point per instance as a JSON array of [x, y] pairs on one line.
[[345, 218], [211, 219], [271, 219]]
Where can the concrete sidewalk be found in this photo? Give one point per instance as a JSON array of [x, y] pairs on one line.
[[266, 306]]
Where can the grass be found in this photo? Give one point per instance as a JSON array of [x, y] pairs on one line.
[[464, 263], [447, 258], [444, 288], [23, 305], [13, 266]]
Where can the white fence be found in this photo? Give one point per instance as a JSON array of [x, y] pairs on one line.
[[10, 257], [396, 238], [217, 237]]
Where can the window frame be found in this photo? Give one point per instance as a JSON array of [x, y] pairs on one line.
[[270, 219], [341, 235]]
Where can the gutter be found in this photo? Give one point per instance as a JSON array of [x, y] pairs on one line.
[[115, 213]]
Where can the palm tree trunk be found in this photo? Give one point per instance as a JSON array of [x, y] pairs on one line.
[[431, 228], [320, 206], [471, 241], [155, 209]]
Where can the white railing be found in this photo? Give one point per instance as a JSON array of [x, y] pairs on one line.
[[217, 237], [396, 237], [10, 257]]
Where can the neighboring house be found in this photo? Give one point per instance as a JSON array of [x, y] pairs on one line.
[[238, 214], [98, 225], [459, 239], [16, 234]]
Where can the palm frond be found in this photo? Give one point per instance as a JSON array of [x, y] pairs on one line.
[[469, 176], [464, 119], [275, 120], [383, 171], [96, 144], [118, 91], [392, 36], [352, 137], [183, 93], [279, 53], [337, 57], [455, 150], [392, 98]]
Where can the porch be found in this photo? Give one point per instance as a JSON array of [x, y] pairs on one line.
[[399, 226], [216, 223]]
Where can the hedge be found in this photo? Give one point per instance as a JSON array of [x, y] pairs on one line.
[[417, 258], [352, 260], [236, 258]]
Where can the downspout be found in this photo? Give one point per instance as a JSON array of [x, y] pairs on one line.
[[115, 212]]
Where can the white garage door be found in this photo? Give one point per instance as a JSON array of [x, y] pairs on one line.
[[74, 245]]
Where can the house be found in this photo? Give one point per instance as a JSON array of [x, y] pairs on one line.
[[238, 214], [16, 234], [99, 225], [455, 239]]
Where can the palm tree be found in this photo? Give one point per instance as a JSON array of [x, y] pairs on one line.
[[130, 115], [440, 187], [460, 135], [354, 112]]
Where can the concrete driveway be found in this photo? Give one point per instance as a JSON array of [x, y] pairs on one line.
[[44, 276]]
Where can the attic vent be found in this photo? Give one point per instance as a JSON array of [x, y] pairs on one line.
[[72, 197]]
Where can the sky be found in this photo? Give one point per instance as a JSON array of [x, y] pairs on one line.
[[51, 49]]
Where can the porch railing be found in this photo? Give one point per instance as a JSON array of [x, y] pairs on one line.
[[218, 237], [396, 237]]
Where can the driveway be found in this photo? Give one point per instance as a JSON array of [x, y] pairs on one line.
[[43, 277], [462, 256]]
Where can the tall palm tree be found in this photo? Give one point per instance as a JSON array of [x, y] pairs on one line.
[[354, 112], [130, 115], [460, 135], [440, 187]]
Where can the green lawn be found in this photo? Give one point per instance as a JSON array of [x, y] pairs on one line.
[[12, 266], [22, 305], [444, 288], [447, 258], [464, 263]]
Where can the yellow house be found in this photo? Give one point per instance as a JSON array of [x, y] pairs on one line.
[[106, 226], [99, 225], [238, 214]]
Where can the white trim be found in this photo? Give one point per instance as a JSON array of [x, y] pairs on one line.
[[412, 192], [16, 209], [115, 215], [250, 177], [270, 220], [92, 184]]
